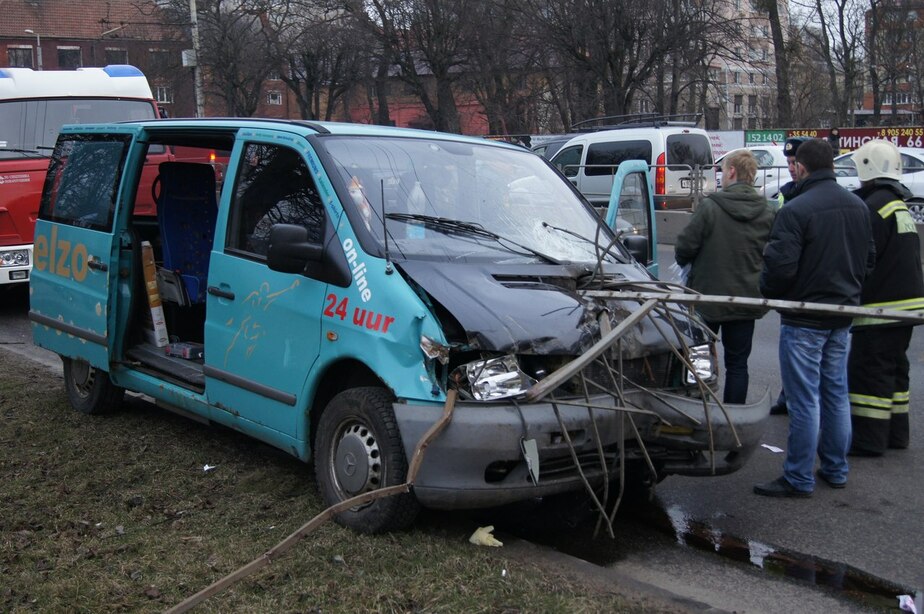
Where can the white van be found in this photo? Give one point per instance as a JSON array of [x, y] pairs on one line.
[[675, 153]]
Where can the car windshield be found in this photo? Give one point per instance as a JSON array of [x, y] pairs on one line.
[[452, 200]]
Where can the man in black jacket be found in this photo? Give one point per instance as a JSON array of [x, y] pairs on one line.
[[877, 369], [820, 250]]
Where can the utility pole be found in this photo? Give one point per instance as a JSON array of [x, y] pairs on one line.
[[38, 47], [197, 70]]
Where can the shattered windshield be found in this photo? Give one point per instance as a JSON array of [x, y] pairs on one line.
[[453, 200]]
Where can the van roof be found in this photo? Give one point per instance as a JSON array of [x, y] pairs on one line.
[[113, 81], [303, 127], [636, 120], [634, 133]]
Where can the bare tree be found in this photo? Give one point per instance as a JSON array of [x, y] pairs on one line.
[[236, 51], [782, 61], [321, 55], [811, 104], [889, 50], [502, 58], [838, 40], [425, 40]]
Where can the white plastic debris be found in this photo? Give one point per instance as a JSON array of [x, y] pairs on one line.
[[773, 449], [482, 537], [906, 604], [208, 467]]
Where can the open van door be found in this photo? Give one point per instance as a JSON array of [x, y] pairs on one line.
[[631, 212], [73, 302]]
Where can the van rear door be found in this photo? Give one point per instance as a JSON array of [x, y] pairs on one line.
[[72, 299], [686, 152]]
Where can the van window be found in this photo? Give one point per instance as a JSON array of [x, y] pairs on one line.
[[602, 158], [83, 179], [688, 149], [568, 160], [273, 187]]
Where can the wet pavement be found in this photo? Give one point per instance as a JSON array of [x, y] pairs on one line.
[[870, 531]]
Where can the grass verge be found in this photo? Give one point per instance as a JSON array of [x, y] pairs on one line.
[[117, 513]]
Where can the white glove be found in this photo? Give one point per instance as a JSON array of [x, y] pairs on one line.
[[482, 537]]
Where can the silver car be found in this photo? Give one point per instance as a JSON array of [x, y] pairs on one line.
[[912, 177]]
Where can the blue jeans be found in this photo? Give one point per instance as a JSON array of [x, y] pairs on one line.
[[813, 366]]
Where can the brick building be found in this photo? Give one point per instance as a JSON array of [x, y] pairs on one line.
[[67, 35]]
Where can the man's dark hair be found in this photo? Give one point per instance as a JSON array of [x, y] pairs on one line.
[[815, 155]]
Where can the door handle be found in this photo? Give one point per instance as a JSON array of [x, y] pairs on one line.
[[215, 291], [98, 265]]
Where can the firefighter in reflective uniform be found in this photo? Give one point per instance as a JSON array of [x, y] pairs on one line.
[[878, 363]]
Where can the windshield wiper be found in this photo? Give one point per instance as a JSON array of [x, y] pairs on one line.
[[33, 152], [473, 228], [608, 249]]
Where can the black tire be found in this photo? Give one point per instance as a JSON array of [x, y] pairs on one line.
[[89, 390], [358, 449]]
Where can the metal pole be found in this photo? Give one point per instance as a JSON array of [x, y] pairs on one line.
[[38, 47], [197, 70], [827, 309]]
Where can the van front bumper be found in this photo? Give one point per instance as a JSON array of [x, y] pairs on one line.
[[477, 461]]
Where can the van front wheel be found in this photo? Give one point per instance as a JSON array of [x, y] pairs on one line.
[[358, 449], [89, 390]]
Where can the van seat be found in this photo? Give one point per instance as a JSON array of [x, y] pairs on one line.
[[187, 212]]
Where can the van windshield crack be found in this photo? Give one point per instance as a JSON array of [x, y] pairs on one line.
[[450, 225]]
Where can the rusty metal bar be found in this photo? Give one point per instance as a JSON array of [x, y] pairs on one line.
[[800, 306]]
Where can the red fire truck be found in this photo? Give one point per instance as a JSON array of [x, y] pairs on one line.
[[33, 107]]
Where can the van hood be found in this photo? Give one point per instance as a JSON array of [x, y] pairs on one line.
[[529, 308]]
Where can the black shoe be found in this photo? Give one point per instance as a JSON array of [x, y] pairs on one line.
[[827, 480], [780, 488], [779, 409]]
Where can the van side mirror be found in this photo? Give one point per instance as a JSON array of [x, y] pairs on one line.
[[637, 246], [289, 250]]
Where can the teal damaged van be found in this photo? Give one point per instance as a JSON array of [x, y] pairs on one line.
[[322, 286]]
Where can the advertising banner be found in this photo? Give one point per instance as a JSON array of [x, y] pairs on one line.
[[850, 138]]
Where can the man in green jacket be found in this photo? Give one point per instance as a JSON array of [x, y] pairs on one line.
[[723, 244]]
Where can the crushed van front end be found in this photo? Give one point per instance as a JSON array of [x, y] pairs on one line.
[[478, 460]]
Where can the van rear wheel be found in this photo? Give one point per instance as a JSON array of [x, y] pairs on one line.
[[89, 390], [358, 449]]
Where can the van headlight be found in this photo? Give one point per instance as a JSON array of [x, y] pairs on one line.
[[497, 378], [14, 257], [703, 360]]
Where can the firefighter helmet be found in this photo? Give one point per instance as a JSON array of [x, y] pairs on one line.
[[878, 159]]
